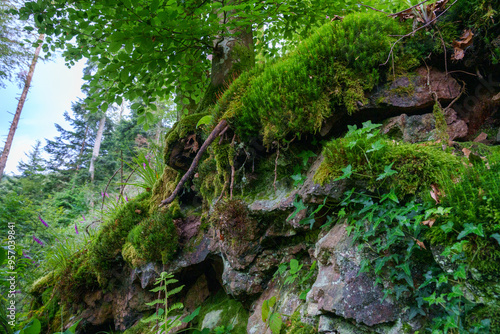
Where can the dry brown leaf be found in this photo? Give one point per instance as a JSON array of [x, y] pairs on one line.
[[192, 145], [435, 193], [420, 244], [482, 136], [429, 222], [462, 44], [466, 152]]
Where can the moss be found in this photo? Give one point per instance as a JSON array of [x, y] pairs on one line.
[[43, 283], [404, 91], [108, 244], [155, 238], [474, 198], [441, 125], [328, 74], [417, 165], [229, 311], [295, 326], [164, 186], [141, 328], [233, 221], [491, 312], [131, 256], [181, 129]]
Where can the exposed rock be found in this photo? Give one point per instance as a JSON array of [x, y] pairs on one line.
[[340, 290], [287, 303], [411, 93], [240, 284], [420, 128], [197, 293], [187, 228]]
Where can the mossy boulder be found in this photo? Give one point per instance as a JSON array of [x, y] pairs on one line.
[[221, 310], [104, 252]]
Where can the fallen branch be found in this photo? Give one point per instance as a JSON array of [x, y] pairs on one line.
[[215, 132]]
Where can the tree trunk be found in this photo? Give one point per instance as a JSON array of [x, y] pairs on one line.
[[233, 53], [20, 105], [97, 147], [233, 49]]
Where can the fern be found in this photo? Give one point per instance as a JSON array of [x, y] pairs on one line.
[[162, 315]]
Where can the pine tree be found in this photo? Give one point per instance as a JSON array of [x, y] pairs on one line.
[[35, 164]]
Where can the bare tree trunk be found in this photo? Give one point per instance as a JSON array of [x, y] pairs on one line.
[[97, 147], [20, 105]]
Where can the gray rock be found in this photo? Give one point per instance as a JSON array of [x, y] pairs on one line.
[[340, 290]]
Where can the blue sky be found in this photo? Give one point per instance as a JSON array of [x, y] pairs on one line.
[[53, 88]]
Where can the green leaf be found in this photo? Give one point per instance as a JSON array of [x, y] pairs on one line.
[[275, 323], [150, 117], [347, 173], [294, 265], [33, 327], [265, 310], [378, 145], [114, 47], [305, 155], [190, 317], [495, 236], [448, 227], [204, 120], [471, 228], [387, 172], [299, 206], [3, 255]]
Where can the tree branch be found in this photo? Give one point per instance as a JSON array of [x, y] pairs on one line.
[[215, 132]]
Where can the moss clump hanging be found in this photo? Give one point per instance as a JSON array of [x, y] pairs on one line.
[[155, 238]]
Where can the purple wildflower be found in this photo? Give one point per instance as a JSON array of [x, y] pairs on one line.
[[43, 222], [126, 198], [26, 256], [38, 241], [106, 194], [83, 216], [76, 229], [144, 165], [209, 57]]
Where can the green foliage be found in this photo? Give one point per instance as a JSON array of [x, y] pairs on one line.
[[108, 243], [233, 317], [149, 167], [371, 157], [326, 75], [155, 237], [474, 198], [392, 234], [164, 315]]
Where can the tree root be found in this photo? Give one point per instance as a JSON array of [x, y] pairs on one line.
[[215, 132]]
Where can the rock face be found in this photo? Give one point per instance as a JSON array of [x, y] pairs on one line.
[[420, 128], [411, 93], [340, 290]]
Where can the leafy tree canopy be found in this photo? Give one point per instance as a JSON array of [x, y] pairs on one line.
[[150, 48]]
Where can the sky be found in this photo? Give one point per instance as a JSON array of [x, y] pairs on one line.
[[53, 89]]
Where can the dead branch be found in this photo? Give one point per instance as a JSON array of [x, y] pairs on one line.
[[215, 132], [375, 9], [407, 9], [232, 172], [414, 31], [276, 167]]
